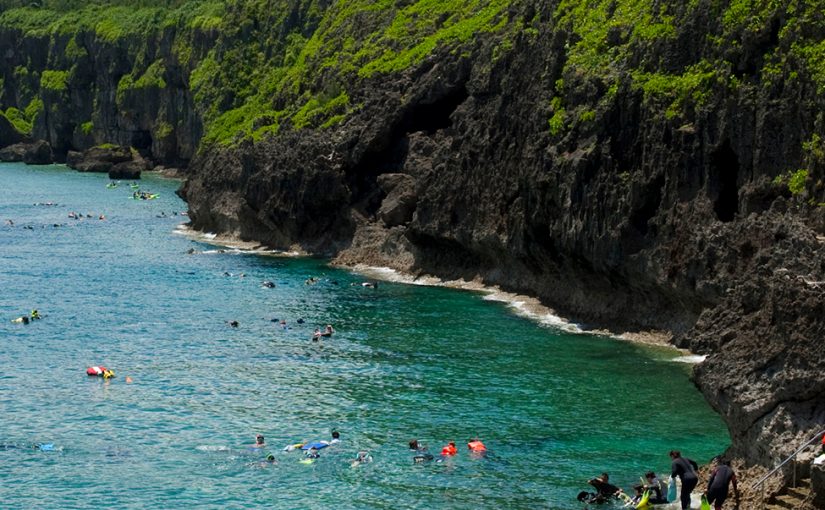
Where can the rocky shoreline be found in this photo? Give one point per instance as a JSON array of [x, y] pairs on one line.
[[667, 175], [725, 258]]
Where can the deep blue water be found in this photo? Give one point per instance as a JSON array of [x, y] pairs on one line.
[[406, 362]]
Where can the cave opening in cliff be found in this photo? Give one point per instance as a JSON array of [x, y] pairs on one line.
[[390, 157], [433, 116], [141, 140], [652, 197], [723, 182]]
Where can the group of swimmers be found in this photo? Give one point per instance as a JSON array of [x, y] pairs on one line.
[[318, 334], [652, 491], [79, 216], [422, 454], [114, 184], [311, 450], [43, 447]]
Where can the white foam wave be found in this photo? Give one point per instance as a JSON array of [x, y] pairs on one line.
[[524, 306], [231, 245], [532, 309], [212, 448], [690, 358]]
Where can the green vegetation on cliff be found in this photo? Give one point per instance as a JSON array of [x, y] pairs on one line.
[[301, 75], [54, 80], [254, 68]]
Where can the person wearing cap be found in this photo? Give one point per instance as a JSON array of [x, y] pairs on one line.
[[259, 442]]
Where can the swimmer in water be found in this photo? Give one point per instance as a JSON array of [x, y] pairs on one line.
[[259, 442], [449, 450], [363, 457], [476, 446], [21, 320], [421, 453]]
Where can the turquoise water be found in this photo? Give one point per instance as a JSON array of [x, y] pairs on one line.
[[406, 362]]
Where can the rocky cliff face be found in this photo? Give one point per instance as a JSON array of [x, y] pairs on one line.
[[82, 87], [636, 165], [627, 216]]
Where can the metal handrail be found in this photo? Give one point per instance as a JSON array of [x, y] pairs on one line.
[[792, 456]]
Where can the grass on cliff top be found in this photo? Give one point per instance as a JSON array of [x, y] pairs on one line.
[[114, 21], [634, 42], [310, 77]]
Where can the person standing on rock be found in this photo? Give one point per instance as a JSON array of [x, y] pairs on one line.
[[721, 477], [685, 469]]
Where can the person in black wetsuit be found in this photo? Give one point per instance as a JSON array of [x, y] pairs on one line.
[[685, 469], [721, 477], [605, 490], [421, 453]]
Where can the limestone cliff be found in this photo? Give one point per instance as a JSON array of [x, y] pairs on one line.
[[613, 201], [634, 164]]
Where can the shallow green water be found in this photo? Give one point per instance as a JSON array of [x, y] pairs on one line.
[[407, 362]]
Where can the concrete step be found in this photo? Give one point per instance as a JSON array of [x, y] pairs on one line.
[[789, 501], [799, 492], [793, 498]]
